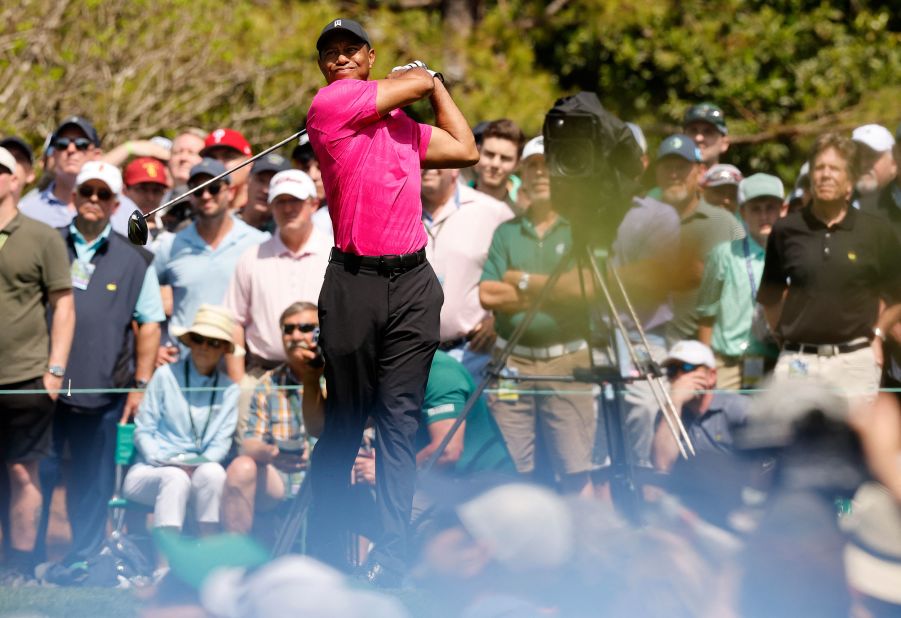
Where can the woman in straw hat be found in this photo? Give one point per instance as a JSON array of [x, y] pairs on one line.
[[184, 427]]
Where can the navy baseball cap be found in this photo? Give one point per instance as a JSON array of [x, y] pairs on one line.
[[272, 162], [82, 123], [680, 146], [208, 167], [706, 112], [347, 25], [13, 143]]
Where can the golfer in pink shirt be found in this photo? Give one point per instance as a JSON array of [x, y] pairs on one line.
[[380, 302]]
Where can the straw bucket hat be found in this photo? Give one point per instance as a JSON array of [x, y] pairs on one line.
[[211, 321]]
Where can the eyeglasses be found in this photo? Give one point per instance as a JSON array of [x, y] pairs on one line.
[[88, 192], [214, 190], [674, 369], [81, 143], [304, 328], [201, 340]]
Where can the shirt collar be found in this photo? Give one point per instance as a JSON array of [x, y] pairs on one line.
[[79, 239], [14, 223], [282, 249], [48, 195], [450, 207], [847, 223], [529, 227]]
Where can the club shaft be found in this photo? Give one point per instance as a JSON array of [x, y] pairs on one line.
[[174, 200]]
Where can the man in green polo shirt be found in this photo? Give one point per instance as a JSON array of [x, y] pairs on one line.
[[678, 171], [726, 298], [524, 252], [34, 271], [478, 446]]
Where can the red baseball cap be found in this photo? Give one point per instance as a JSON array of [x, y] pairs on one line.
[[145, 169], [228, 138]]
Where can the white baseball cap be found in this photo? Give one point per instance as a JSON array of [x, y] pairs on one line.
[[7, 160], [104, 172], [534, 146], [292, 182], [874, 136], [692, 352]]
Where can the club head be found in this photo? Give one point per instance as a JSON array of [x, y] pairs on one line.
[[137, 228]]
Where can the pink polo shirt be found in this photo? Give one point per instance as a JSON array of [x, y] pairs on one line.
[[268, 278], [370, 168]]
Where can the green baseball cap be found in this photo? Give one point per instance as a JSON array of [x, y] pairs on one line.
[[193, 560], [760, 185]]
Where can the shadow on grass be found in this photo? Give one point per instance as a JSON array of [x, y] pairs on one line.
[[67, 602]]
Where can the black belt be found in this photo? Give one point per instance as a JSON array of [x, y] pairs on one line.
[[827, 349], [383, 264], [444, 346]]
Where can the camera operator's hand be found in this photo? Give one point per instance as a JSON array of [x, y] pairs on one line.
[[686, 387], [483, 336]]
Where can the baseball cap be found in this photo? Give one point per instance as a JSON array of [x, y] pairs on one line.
[[208, 167], [873, 556], [104, 172], [638, 134], [82, 123], [7, 160], [722, 174], [760, 185], [12, 143], [534, 146], [525, 526], [692, 352], [291, 182], [228, 138], [348, 25], [145, 169], [874, 136], [272, 162], [706, 112], [681, 146]]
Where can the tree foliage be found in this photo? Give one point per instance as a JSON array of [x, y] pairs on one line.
[[783, 70]]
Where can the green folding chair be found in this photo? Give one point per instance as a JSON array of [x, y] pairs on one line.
[[125, 450]]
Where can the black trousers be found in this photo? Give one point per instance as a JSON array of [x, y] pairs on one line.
[[379, 332]]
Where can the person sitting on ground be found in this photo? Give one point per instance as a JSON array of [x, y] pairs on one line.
[[708, 416], [184, 427], [274, 450]]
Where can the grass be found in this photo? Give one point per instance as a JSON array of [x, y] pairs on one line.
[[67, 603]]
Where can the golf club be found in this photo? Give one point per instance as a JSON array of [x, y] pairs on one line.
[[137, 221]]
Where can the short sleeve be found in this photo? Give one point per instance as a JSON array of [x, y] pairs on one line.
[[425, 135], [497, 263], [57, 275], [774, 279], [161, 260], [343, 107], [149, 307], [445, 397], [237, 296], [711, 287]]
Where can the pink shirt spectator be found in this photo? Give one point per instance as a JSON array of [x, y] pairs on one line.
[[267, 279], [459, 238], [376, 208]]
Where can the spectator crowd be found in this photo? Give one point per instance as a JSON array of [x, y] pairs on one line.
[[206, 340]]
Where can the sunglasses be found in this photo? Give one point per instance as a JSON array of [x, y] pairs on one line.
[[89, 192], [81, 143], [201, 340], [304, 328], [676, 368], [214, 190]]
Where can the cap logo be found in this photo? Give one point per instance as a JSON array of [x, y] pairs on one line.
[[677, 143], [150, 169], [218, 134], [337, 23]]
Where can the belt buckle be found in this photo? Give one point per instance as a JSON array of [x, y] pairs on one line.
[[826, 349], [384, 263]]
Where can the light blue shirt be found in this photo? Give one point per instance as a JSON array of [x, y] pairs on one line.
[[198, 273], [163, 427], [149, 307], [45, 207], [119, 220]]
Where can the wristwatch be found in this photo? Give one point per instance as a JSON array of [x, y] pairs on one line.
[[141, 383], [523, 284], [879, 333], [56, 371]]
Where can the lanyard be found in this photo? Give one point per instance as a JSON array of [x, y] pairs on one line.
[[747, 248], [198, 439]]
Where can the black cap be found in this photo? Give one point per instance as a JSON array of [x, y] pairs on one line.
[[82, 123], [12, 143], [706, 112], [272, 162], [343, 24]]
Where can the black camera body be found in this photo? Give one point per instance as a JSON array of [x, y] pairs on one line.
[[594, 163]]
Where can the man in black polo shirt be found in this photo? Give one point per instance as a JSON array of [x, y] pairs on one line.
[[827, 268]]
